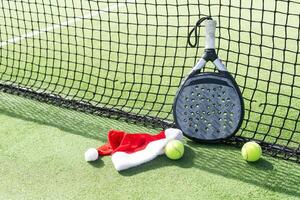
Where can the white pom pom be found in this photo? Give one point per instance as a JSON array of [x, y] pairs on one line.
[[91, 155]]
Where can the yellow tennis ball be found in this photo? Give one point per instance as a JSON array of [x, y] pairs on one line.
[[251, 151], [174, 149]]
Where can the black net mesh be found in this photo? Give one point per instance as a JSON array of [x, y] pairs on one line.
[[127, 58]]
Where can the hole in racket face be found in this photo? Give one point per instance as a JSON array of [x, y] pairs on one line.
[[213, 106]]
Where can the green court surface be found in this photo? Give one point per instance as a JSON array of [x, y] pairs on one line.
[[41, 156], [132, 56]]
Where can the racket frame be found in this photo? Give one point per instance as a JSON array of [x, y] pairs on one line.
[[210, 55]]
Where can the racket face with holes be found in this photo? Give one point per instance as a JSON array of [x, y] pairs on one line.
[[209, 107]]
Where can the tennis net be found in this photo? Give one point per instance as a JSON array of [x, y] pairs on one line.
[[126, 59]]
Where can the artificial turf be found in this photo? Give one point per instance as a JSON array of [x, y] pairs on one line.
[[112, 63], [41, 156], [133, 56]]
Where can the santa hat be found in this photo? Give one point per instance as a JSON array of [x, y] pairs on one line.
[[129, 150]]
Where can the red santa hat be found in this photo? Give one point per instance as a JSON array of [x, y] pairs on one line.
[[129, 150]]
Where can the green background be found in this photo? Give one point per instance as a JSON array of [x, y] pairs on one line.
[[125, 58], [133, 56], [41, 156]]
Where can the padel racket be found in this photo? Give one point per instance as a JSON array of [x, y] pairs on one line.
[[208, 106]]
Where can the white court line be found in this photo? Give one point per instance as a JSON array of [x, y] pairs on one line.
[[63, 24]]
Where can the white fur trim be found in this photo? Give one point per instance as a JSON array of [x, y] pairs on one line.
[[91, 155], [171, 132], [122, 160]]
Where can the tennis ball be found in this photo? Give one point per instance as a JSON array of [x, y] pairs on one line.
[[251, 151], [174, 149]]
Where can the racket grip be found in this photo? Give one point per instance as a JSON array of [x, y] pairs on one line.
[[210, 34]]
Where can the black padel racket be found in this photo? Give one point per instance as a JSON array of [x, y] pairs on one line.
[[208, 106]]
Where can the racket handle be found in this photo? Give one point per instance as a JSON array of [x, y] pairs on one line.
[[210, 34]]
